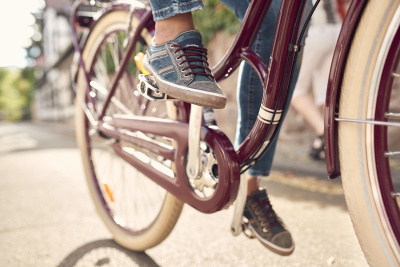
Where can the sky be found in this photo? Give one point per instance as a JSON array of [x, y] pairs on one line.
[[16, 30]]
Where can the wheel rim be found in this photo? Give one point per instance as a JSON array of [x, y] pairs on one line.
[[132, 201]]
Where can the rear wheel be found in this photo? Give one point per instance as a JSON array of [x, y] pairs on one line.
[[139, 213], [369, 152]]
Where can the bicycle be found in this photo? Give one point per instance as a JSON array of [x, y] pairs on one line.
[[163, 165]]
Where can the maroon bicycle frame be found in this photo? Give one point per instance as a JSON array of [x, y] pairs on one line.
[[275, 78]]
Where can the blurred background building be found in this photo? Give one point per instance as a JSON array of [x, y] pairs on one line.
[[54, 97]]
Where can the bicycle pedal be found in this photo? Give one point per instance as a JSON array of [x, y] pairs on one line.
[[246, 231], [148, 88]]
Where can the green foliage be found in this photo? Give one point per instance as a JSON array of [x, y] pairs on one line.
[[15, 93], [213, 18]]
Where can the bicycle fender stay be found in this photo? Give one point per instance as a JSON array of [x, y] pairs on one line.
[[334, 86]]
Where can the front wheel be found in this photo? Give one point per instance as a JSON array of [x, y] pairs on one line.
[[369, 151], [139, 213]]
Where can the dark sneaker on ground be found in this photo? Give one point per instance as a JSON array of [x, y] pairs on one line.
[[265, 224], [181, 70], [317, 151]]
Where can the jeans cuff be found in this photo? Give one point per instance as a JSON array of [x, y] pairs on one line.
[[258, 173], [178, 9]]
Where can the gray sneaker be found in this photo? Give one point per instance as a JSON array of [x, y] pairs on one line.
[[267, 227], [181, 70]]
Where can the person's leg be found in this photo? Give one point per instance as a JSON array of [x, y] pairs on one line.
[[316, 63], [173, 17], [330, 33], [270, 230], [302, 101], [250, 89], [305, 106], [177, 60], [313, 56], [168, 28]]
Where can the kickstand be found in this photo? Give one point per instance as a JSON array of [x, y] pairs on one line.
[[237, 220]]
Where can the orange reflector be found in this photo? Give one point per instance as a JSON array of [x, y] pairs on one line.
[[139, 63], [109, 192]]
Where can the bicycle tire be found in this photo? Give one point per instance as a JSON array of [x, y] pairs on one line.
[[365, 171], [121, 216]]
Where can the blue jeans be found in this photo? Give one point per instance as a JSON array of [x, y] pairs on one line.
[[250, 91], [163, 9]]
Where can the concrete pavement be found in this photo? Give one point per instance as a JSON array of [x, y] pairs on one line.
[[48, 219]]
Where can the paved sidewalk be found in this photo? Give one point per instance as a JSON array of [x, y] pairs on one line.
[[291, 156], [51, 220]]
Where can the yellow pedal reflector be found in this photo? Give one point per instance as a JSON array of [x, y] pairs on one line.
[[139, 63], [109, 192]]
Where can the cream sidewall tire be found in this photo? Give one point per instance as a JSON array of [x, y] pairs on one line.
[[171, 209], [355, 150]]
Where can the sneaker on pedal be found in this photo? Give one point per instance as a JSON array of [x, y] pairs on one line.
[[265, 224], [181, 70]]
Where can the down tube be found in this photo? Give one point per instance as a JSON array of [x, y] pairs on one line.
[[273, 79]]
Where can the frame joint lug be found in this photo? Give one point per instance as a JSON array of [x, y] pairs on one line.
[[294, 48]]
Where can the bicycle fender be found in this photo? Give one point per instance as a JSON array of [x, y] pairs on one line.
[[342, 49]]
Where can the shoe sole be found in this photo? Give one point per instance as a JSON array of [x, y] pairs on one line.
[[271, 246], [193, 96]]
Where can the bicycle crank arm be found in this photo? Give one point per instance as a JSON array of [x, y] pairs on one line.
[[193, 164], [237, 220]]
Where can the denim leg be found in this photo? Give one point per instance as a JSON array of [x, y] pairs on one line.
[[163, 9], [250, 91]]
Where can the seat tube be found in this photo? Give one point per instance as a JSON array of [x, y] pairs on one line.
[[275, 79]]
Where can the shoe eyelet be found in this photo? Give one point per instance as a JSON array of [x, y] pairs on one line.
[[265, 230], [261, 218]]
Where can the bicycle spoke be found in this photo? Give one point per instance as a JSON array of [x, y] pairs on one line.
[[391, 115], [382, 123], [390, 154], [101, 75], [112, 47], [96, 85], [396, 75]]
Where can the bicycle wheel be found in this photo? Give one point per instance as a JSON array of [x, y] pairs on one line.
[[368, 163], [139, 213]]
